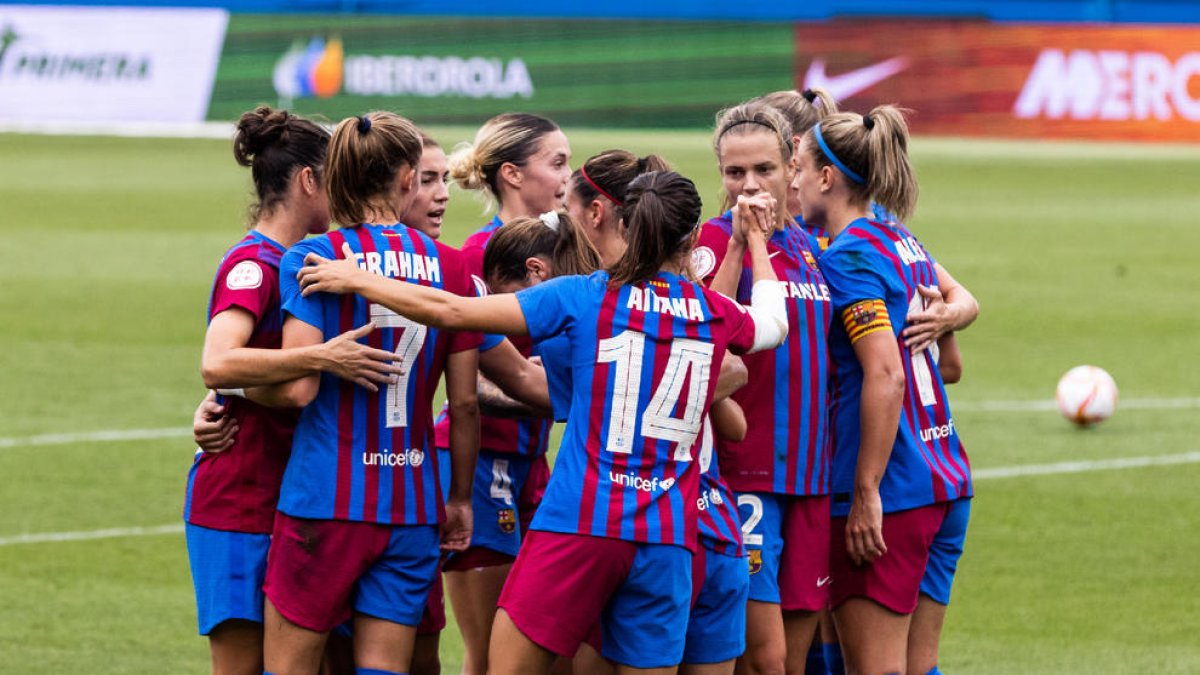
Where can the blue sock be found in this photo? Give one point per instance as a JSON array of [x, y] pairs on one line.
[[375, 671], [935, 671], [834, 664]]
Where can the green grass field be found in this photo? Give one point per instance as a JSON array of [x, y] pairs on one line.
[[1078, 254]]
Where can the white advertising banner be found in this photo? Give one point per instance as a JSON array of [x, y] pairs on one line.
[[92, 64]]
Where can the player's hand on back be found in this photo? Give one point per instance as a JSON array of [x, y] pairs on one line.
[[923, 328], [355, 362], [456, 531], [321, 275], [212, 429]]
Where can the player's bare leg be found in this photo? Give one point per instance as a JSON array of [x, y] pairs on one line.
[[630, 670], [589, 662], [425, 659], [474, 595], [874, 638], [382, 645], [829, 636], [237, 648], [766, 645], [338, 655], [511, 653], [924, 634], [288, 648], [799, 627], [722, 668]]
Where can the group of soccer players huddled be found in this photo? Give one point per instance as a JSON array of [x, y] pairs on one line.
[[759, 471]]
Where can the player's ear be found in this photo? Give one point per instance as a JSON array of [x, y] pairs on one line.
[[538, 268], [308, 181], [407, 177], [595, 212], [826, 173], [511, 173]]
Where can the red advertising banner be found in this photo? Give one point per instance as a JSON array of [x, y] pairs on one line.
[[984, 79]]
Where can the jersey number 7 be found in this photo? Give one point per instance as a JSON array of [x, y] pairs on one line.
[[408, 347]]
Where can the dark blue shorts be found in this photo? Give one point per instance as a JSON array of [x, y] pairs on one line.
[[716, 630], [947, 548]]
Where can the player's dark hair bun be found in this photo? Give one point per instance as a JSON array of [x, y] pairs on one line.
[[258, 130]]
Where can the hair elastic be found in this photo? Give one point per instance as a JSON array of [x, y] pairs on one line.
[[364, 124], [550, 220], [583, 172], [868, 122], [833, 158], [810, 96]]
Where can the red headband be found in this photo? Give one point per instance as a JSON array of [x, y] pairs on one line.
[[583, 172]]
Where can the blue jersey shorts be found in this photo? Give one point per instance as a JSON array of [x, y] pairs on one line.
[[716, 630], [495, 498], [227, 572], [945, 551], [762, 515]]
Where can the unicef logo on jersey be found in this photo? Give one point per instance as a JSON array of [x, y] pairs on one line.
[[632, 480], [411, 457]]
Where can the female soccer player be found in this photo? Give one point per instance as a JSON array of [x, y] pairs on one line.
[[598, 192], [360, 501], [520, 161], [900, 474], [234, 484], [780, 471], [611, 540]]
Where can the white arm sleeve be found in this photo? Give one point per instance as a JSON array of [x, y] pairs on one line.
[[768, 310]]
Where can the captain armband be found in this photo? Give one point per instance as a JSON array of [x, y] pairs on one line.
[[866, 317]]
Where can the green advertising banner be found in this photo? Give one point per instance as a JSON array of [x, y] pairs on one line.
[[463, 70]]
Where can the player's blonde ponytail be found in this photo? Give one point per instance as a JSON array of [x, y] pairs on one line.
[[871, 152], [801, 109], [366, 154]]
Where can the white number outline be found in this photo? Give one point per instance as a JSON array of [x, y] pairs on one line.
[[756, 516], [921, 371], [626, 351], [408, 348], [502, 483]]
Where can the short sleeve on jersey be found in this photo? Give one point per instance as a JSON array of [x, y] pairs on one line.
[[853, 275], [307, 309], [491, 341], [737, 320], [551, 306], [247, 284]]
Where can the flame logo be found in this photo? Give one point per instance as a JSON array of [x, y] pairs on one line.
[[314, 69]]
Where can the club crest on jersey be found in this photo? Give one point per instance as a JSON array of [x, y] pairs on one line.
[[244, 275], [812, 262], [864, 313], [704, 261], [506, 520], [755, 560]]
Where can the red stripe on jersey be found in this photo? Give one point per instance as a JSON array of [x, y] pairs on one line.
[[815, 409], [650, 450], [591, 474], [371, 472], [635, 320], [420, 414], [345, 435]]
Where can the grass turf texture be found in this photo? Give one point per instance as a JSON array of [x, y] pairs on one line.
[[1078, 254]]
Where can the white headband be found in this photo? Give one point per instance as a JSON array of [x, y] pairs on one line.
[[550, 219]]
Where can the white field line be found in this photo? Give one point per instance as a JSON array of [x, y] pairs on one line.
[[980, 474], [111, 533], [1049, 404], [97, 437]]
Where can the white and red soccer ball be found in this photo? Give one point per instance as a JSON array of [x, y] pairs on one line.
[[1086, 395]]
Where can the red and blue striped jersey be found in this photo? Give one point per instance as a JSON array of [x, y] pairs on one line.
[[518, 435], [641, 356], [361, 455], [873, 269], [236, 490], [786, 400], [879, 214], [719, 522]]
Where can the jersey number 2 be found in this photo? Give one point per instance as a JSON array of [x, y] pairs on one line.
[[408, 347], [688, 356]]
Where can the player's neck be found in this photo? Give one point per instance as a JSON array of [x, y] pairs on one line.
[[283, 226], [839, 216]]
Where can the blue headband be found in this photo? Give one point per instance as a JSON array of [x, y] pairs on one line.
[[833, 158]]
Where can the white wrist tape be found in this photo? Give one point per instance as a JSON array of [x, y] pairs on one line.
[[768, 309], [240, 393]]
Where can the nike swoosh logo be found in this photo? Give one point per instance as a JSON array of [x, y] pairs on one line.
[[844, 86], [772, 255], [823, 582]]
